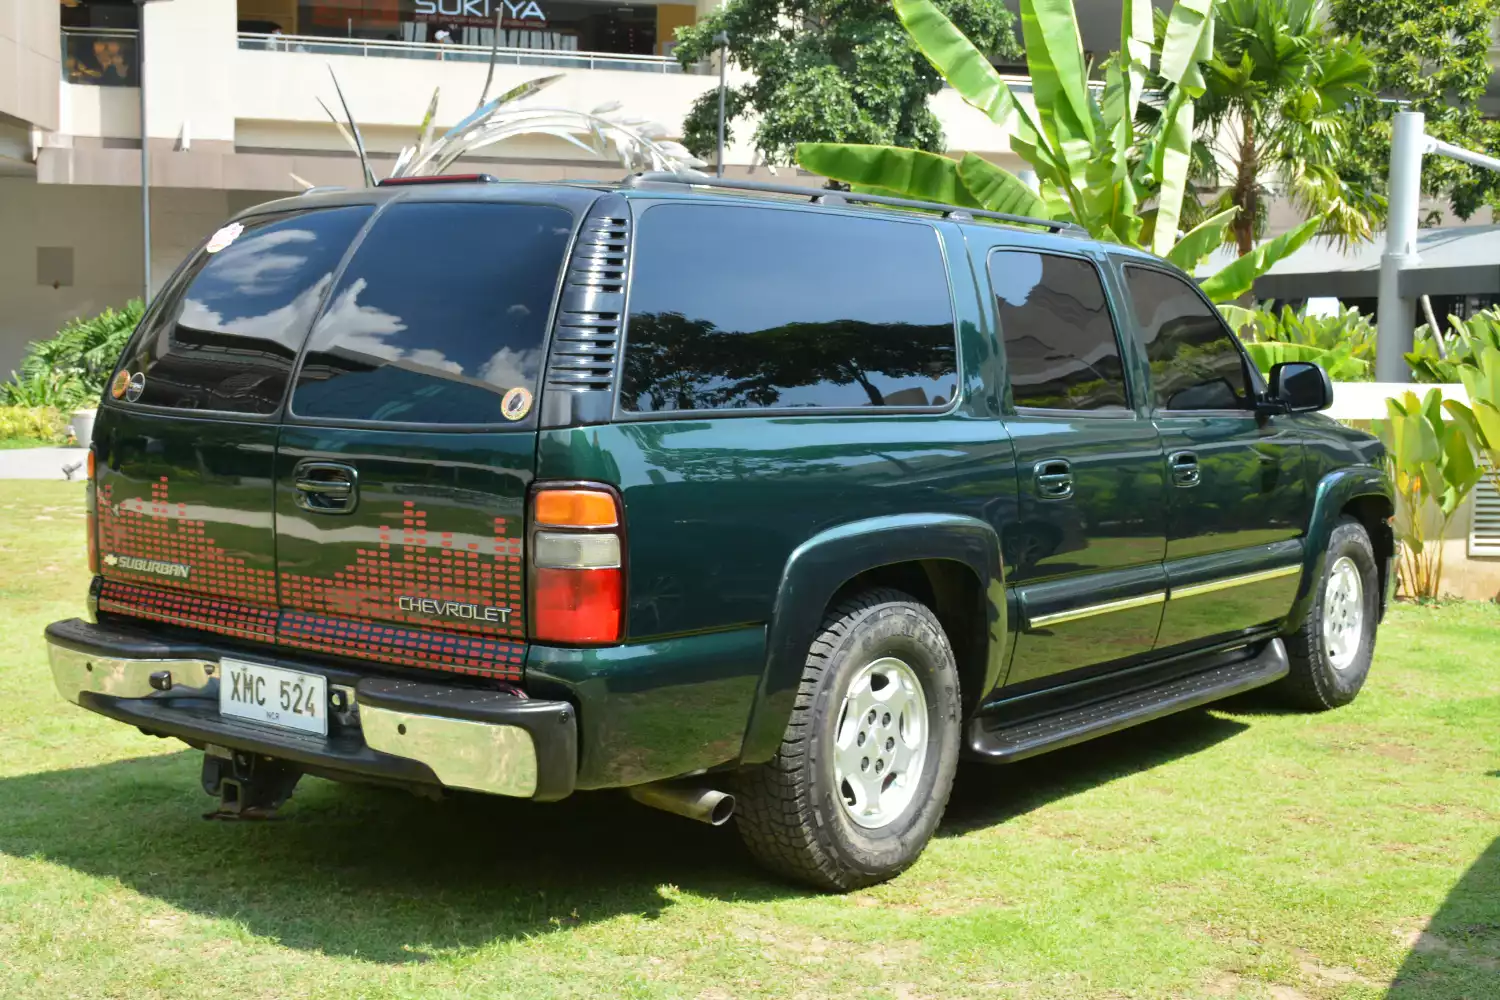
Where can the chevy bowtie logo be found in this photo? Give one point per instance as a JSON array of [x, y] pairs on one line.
[[135, 564]]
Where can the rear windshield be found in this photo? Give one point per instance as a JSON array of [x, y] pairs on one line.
[[227, 330], [440, 317]]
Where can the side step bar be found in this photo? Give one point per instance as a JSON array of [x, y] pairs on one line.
[[1003, 744]]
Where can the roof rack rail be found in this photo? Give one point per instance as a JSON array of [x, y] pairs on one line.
[[825, 196]]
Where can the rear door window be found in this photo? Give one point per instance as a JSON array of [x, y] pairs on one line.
[[441, 313], [786, 309], [1061, 350], [228, 328]]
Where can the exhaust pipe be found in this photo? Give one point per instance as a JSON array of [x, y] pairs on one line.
[[706, 805]]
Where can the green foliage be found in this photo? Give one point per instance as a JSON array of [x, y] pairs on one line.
[[1436, 57], [1461, 343], [1093, 165], [32, 423], [1344, 344], [69, 370], [1432, 468], [1275, 114], [828, 71]]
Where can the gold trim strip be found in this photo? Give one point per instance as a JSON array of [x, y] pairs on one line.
[[1213, 586], [1042, 621]]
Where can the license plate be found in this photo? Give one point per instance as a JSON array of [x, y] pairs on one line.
[[272, 696]]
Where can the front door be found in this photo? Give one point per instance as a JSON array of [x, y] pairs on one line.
[[1084, 554], [1236, 489], [406, 457]]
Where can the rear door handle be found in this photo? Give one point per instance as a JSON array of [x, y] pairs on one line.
[[326, 487], [1185, 471], [1053, 478]]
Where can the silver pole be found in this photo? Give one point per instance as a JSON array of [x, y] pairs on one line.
[[723, 39], [140, 78], [1395, 313]]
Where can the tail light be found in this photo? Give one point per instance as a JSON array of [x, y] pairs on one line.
[[577, 566], [91, 519]]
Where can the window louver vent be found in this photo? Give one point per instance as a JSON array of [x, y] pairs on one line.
[[586, 340], [1484, 529]]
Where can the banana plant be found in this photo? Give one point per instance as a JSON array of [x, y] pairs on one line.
[[1432, 469], [1480, 374], [1093, 168]]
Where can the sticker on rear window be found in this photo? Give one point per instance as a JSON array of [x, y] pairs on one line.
[[516, 404], [135, 387], [218, 241], [120, 384]]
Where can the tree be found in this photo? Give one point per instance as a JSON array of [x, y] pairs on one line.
[[830, 71], [1276, 108], [1435, 56], [1094, 166]]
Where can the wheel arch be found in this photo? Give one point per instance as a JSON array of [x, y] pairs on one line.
[[1364, 493], [950, 562]]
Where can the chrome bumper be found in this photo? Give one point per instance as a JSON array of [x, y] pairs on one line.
[[494, 750]]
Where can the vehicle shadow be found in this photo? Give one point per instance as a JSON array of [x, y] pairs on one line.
[[390, 877], [987, 795], [1458, 953]]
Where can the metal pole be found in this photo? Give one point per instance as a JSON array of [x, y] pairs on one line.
[[140, 78], [723, 39], [1396, 314]]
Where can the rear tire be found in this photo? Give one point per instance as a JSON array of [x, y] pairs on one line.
[[1330, 652], [863, 773]]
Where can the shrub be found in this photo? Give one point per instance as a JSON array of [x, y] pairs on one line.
[[1343, 344], [32, 423], [69, 370], [1467, 338]]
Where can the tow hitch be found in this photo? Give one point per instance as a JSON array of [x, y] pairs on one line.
[[248, 786]]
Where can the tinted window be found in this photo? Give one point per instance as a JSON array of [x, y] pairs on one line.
[[1060, 345], [1195, 363], [226, 332], [736, 307], [442, 310]]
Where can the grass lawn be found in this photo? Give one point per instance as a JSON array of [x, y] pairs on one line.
[[1238, 852]]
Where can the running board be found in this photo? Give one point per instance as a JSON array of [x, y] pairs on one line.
[[1004, 743]]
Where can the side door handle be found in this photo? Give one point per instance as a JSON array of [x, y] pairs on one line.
[[326, 487], [1053, 478], [1185, 471]]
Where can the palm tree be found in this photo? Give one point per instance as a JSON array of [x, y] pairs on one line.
[[1275, 118]]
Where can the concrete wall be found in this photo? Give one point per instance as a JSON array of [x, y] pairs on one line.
[[30, 61], [102, 227]]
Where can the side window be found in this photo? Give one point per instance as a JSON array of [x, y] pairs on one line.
[[1061, 351], [226, 332], [442, 312], [790, 309], [1195, 363]]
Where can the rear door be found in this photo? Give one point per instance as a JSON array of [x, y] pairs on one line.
[[1237, 495], [186, 441], [1084, 553], [405, 459]]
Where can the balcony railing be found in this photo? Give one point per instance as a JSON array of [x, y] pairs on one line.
[[100, 57], [458, 53]]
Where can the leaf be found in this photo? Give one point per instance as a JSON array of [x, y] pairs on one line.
[[1188, 26], [1174, 154], [1202, 240], [998, 189], [1050, 28], [910, 172], [1238, 318], [1239, 277], [958, 61]]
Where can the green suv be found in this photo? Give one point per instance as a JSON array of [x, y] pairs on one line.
[[748, 500]]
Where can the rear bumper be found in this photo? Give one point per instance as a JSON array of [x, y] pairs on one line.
[[388, 730]]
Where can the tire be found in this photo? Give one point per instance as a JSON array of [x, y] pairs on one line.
[[792, 810], [1327, 675]]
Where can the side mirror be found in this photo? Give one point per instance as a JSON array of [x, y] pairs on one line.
[[1299, 387]]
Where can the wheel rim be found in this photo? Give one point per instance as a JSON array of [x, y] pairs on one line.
[[1343, 613], [881, 743]]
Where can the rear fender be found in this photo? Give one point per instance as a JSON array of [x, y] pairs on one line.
[[1333, 493], [824, 563]]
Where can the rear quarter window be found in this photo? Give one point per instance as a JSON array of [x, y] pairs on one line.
[[786, 309], [226, 331], [441, 312]]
